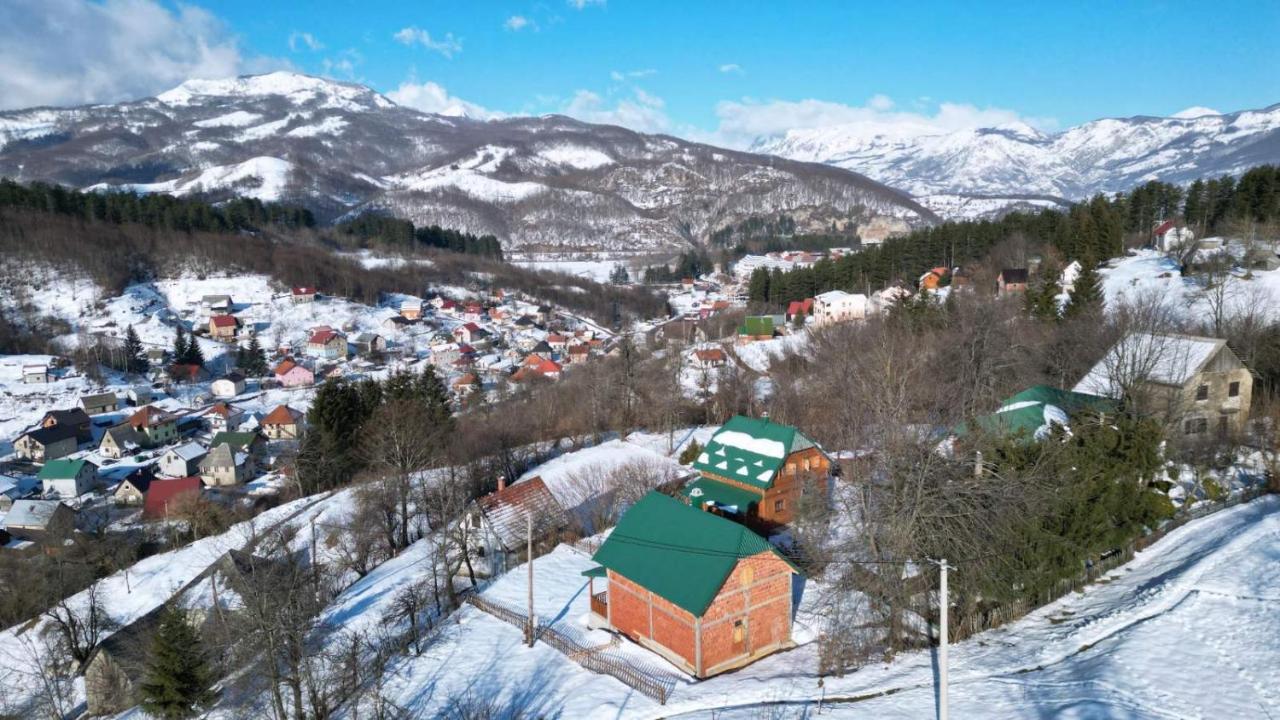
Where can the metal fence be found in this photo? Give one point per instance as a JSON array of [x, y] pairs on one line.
[[589, 657], [967, 624]]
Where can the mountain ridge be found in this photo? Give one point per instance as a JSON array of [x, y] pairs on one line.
[[546, 183]]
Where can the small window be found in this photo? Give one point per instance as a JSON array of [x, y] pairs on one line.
[[806, 465], [791, 468], [779, 505], [1202, 392], [739, 630], [1195, 426], [1233, 390], [747, 575]]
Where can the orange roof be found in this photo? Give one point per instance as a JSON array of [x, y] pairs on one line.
[[148, 416], [220, 408], [710, 355], [547, 367], [304, 291], [282, 415], [468, 379], [223, 321], [322, 337]]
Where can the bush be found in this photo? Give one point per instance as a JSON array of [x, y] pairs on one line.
[[690, 453], [1212, 490]]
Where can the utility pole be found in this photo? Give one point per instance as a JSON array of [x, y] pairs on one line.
[[529, 631], [943, 603]]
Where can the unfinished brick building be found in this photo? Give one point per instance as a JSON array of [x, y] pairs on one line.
[[704, 592]]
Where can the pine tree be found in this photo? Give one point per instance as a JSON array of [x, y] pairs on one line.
[[758, 287], [1086, 296], [255, 361], [134, 358], [179, 346], [193, 355], [619, 275], [176, 681], [690, 453]]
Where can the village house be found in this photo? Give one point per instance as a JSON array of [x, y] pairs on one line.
[[222, 417], [290, 374], [16, 488], [799, 308], [46, 443], [474, 312], [219, 304], [1011, 280], [38, 520], [411, 309], [283, 423], [183, 460], [327, 343], [156, 425], [369, 344], [754, 471], [577, 354], [120, 441], [709, 358], [707, 594], [1193, 383], [302, 294], [394, 323], [498, 523], [226, 465], [838, 306], [36, 374], [165, 495], [188, 373], [469, 333], [557, 342], [73, 418], [1168, 237], [466, 384], [132, 490], [67, 478], [756, 328], [100, 403], [933, 279], [247, 441], [228, 386], [116, 666], [223, 328], [139, 396]]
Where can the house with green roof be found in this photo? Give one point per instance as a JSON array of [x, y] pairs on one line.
[[706, 593], [754, 470], [1033, 413], [67, 478]]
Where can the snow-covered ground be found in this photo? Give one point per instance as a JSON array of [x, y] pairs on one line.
[[1148, 274], [760, 355], [1187, 629], [597, 270]]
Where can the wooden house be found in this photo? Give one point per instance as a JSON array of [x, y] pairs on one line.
[[99, 403], [754, 471], [707, 594]]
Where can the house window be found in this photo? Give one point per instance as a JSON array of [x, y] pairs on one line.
[[806, 465], [739, 630], [1202, 392], [1233, 390], [791, 468], [1195, 426], [779, 505], [1222, 426], [747, 575]]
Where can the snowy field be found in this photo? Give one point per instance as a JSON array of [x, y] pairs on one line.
[[1188, 629], [1148, 274], [597, 270]]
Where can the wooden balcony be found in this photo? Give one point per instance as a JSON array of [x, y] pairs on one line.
[[600, 604]]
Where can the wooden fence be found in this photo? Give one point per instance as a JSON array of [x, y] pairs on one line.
[[589, 657], [967, 624]]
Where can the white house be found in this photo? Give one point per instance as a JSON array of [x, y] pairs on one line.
[[68, 478], [231, 385], [182, 461], [838, 306], [1169, 237]]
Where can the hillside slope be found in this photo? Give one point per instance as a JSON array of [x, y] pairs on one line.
[[537, 183]]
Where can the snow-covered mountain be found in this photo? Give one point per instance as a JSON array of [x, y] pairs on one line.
[[538, 183], [981, 171]]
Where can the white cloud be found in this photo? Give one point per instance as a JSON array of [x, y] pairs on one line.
[[741, 122], [733, 68], [343, 65], [580, 4], [516, 23], [65, 52], [640, 111], [447, 46], [433, 98], [298, 40], [620, 76]]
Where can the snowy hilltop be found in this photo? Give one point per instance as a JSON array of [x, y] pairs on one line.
[[979, 171], [536, 183]]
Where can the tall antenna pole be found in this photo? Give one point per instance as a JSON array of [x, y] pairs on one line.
[[943, 603], [529, 632]]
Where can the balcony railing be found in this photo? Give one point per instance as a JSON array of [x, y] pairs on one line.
[[600, 604]]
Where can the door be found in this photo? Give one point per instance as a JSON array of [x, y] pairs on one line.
[[741, 642]]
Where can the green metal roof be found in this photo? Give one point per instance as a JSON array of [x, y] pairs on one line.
[[595, 572], [678, 552], [750, 450], [60, 469], [705, 490], [237, 440], [757, 325], [1034, 409]]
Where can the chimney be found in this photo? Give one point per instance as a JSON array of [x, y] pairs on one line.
[[502, 483]]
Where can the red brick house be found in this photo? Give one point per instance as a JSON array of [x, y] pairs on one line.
[[706, 593], [754, 471]]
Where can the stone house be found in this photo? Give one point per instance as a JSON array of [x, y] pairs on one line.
[[706, 593], [182, 461], [46, 443], [226, 465], [120, 441]]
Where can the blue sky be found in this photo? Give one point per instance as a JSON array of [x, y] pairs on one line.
[[712, 70]]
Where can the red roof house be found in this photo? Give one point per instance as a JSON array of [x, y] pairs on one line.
[[163, 495]]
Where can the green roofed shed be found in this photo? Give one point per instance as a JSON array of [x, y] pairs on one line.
[[678, 552], [722, 495], [750, 450], [1033, 411]]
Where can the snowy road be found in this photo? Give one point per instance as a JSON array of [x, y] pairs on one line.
[[1189, 629]]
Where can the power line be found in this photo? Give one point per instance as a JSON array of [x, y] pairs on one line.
[[659, 545]]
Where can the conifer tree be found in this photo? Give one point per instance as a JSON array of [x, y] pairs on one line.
[[1086, 296], [193, 355], [176, 682], [255, 358], [758, 287], [179, 346], [134, 358], [690, 453]]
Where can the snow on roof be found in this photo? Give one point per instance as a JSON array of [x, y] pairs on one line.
[[1161, 358], [31, 513], [189, 451], [759, 446]]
